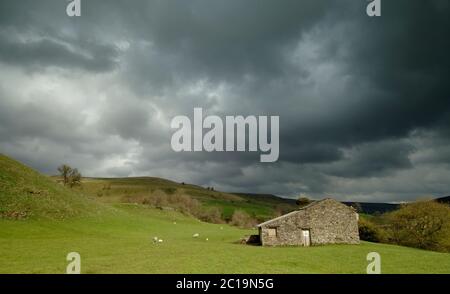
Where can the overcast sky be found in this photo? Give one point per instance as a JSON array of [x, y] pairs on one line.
[[364, 103]]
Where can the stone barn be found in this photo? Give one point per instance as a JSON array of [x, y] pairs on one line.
[[322, 222]]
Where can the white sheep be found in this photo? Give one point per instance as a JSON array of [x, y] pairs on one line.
[[155, 239], [160, 241], [207, 239], [196, 235]]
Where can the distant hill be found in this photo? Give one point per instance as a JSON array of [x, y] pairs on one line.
[[373, 207], [25, 193], [445, 199], [267, 198], [366, 207]]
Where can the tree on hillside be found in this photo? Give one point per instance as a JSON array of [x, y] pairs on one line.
[[70, 176], [303, 201], [64, 171], [423, 224]]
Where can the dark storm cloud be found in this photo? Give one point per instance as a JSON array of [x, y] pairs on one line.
[[363, 102], [226, 39], [382, 64], [403, 64], [379, 159], [406, 59]]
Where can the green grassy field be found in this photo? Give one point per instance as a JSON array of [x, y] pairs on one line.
[[113, 190], [42, 221], [121, 242]]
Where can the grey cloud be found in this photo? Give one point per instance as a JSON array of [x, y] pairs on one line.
[[373, 159], [46, 52], [39, 34], [363, 102]]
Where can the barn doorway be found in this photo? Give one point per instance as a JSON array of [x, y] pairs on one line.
[[306, 238]]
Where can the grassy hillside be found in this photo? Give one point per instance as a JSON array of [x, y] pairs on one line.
[[24, 193], [123, 190], [123, 244]]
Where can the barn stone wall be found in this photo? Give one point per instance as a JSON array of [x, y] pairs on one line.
[[328, 221]]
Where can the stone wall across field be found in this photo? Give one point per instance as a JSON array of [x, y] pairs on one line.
[[327, 222]]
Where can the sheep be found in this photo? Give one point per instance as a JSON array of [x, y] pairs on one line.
[[207, 239], [155, 239], [196, 235], [160, 241]]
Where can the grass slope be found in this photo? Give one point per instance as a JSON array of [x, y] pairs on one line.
[[123, 244], [24, 193], [117, 189]]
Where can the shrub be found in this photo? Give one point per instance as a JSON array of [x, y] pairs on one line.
[[180, 202], [423, 224], [368, 231], [211, 215], [242, 219], [303, 201], [185, 204], [170, 190], [159, 199]]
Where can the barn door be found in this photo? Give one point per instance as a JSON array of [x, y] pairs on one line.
[[306, 239]]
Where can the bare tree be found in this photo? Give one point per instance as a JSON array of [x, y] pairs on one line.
[[70, 176], [64, 171]]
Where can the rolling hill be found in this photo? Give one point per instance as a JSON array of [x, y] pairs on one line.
[[260, 206], [24, 193], [138, 190]]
